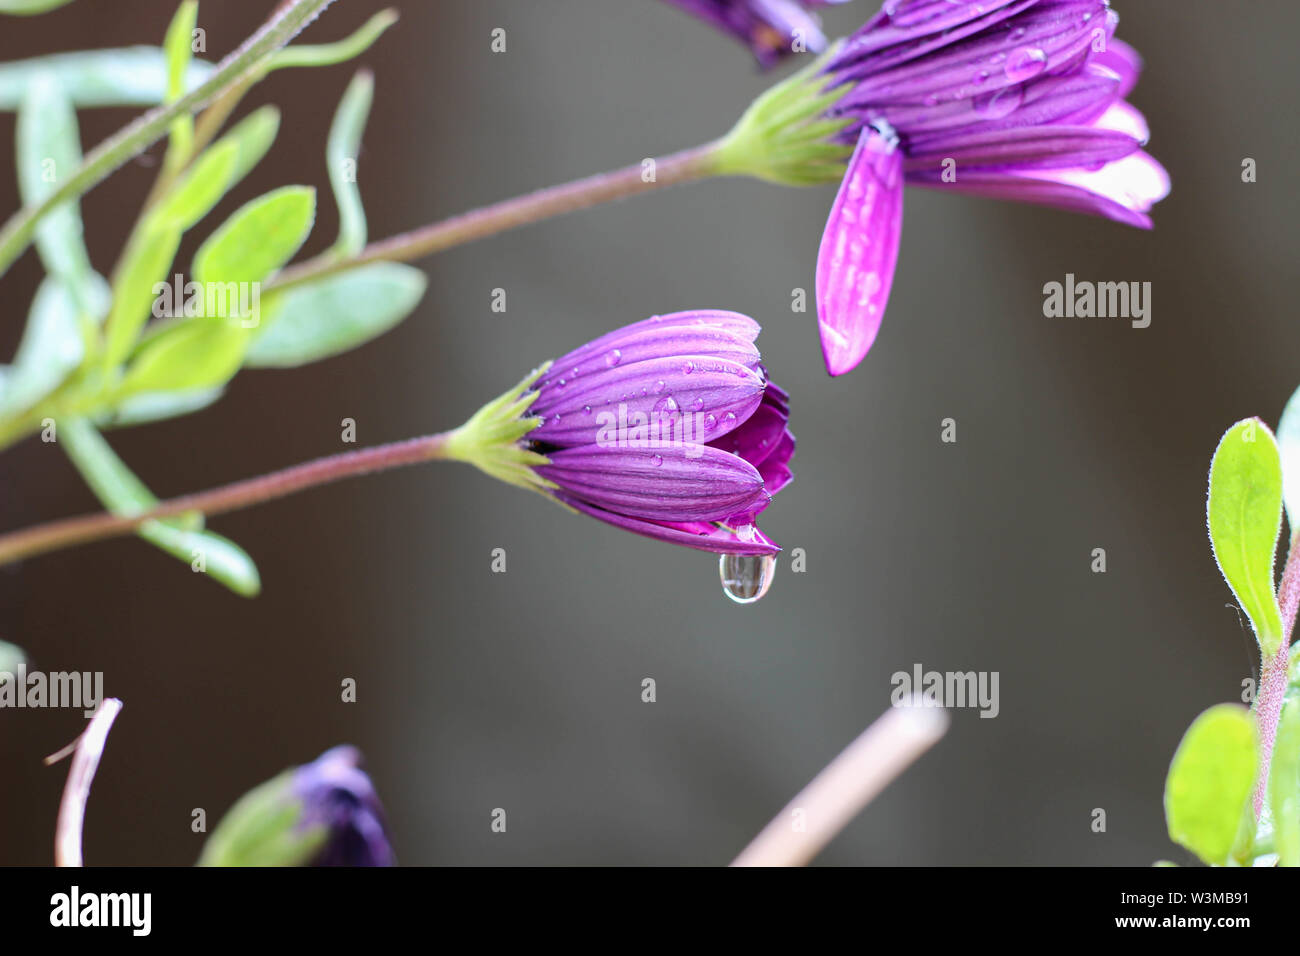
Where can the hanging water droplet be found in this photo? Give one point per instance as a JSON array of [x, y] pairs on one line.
[[613, 357], [1025, 64], [746, 577]]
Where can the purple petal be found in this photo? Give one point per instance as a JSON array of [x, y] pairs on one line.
[[1035, 43], [859, 249], [758, 437], [1123, 190], [739, 325], [587, 410], [776, 468], [1029, 147], [704, 536], [1124, 61], [675, 483]]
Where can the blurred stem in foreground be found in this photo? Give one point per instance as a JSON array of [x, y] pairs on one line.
[[837, 794]]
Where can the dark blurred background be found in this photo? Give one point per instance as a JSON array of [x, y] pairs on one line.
[[522, 690]]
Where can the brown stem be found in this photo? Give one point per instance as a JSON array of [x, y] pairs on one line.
[[685, 166], [43, 538]]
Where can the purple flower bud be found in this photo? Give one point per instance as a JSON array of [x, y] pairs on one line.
[[1011, 99], [337, 794], [668, 428]]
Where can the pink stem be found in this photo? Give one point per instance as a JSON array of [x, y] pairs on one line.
[[1273, 672]]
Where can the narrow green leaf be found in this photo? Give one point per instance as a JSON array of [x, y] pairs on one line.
[[328, 54], [121, 492], [253, 136], [11, 657], [27, 8], [50, 350], [1244, 512], [1210, 782], [156, 406], [177, 47], [264, 828], [199, 353], [201, 188], [49, 149], [335, 314], [1288, 445], [137, 285], [341, 151], [125, 76], [259, 238]]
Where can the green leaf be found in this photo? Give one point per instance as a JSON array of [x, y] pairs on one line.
[[195, 354], [341, 151], [328, 54], [335, 314], [123, 493], [1208, 789], [156, 406], [177, 47], [126, 76], [1284, 783], [253, 136], [201, 188], [264, 828], [143, 275], [50, 350], [48, 150], [1288, 445], [27, 8], [1245, 514], [260, 237]]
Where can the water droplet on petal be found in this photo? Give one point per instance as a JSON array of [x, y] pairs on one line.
[[688, 368], [697, 404], [746, 577], [659, 386], [999, 104], [1025, 64], [613, 357], [710, 423], [656, 460]]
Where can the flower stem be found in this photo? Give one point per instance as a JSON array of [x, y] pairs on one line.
[[837, 794], [86, 751], [288, 20], [1273, 672], [53, 535], [686, 166]]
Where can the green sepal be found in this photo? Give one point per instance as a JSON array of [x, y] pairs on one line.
[[490, 440]]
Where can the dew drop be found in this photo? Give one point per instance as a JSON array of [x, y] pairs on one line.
[[710, 423], [999, 104], [656, 460], [1025, 64], [698, 403], [746, 577], [659, 386], [586, 409], [688, 368], [613, 357]]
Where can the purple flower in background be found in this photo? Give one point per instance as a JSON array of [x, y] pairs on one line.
[[1013, 99], [668, 428], [338, 795], [771, 28]]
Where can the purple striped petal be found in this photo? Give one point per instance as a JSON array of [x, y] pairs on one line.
[[677, 483], [859, 249], [702, 535], [775, 469], [738, 325], [759, 436], [1030, 147], [653, 391]]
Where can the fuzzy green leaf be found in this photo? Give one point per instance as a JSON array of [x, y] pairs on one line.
[[335, 314], [1244, 512], [1210, 782], [126, 76], [341, 151], [259, 238]]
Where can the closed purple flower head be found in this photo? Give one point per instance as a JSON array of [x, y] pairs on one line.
[[338, 795], [668, 428], [770, 28], [1013, 99]]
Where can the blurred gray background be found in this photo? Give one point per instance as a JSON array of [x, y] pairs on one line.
[[522, 690]]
